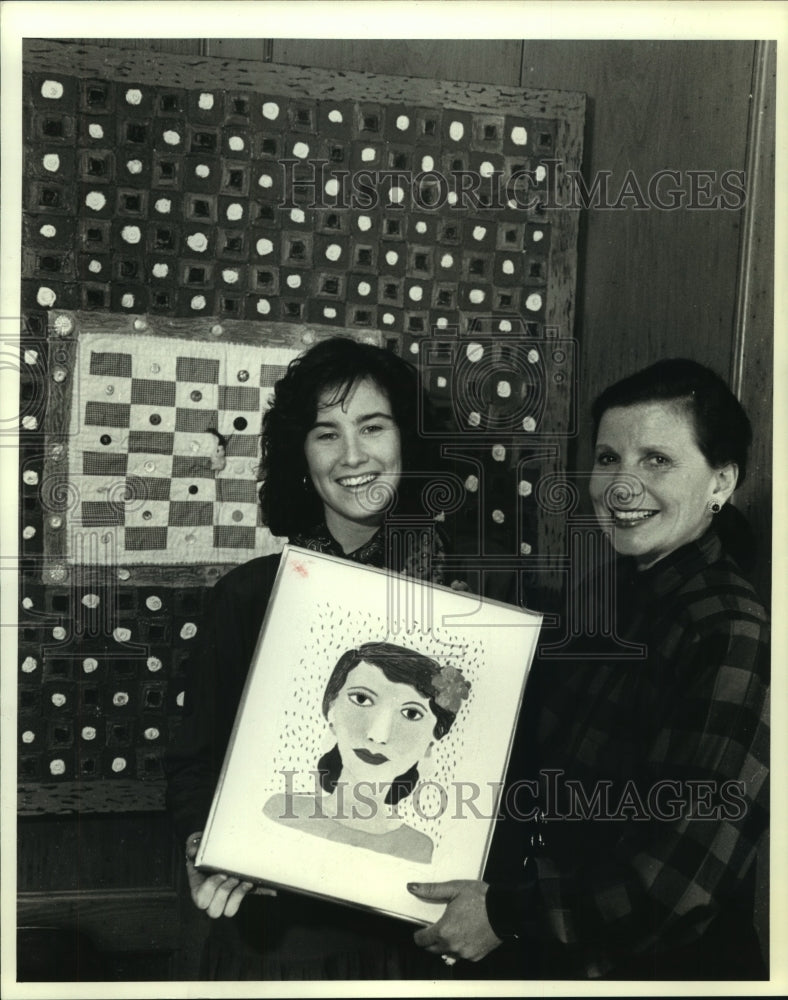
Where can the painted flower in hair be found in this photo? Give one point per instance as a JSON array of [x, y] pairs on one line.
[[451, 687]]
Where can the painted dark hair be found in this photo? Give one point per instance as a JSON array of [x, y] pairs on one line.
[[400, 666], [335, 366], [723, 432]]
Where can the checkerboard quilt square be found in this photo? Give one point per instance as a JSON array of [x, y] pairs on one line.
[[255, 361], [245, 398], [234, 537], [100, 463], [153, 392], [194, 513], [195, 445], [154, 442], [101, 414], [100, 488], [182, 489], [97, 514], [240, 443], [163, 418], [236, 513], [199, 421], [144, 488], [97, 389], [155, 359], [138, 539], [190, 544], [236, 490], [148, 514], [242, 468], [110, 364], [101, 440], [192, 369], [148, 464], [270, 374], [192, 467], [209, 395]]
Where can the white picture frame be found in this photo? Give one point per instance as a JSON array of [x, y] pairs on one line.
[[273, 822]]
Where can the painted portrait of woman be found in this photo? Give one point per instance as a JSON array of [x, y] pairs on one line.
[[386, 707]]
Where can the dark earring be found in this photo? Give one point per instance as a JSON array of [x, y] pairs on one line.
[[714, 507]]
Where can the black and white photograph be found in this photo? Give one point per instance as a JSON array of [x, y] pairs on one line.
[[389, 537], [373, 747]]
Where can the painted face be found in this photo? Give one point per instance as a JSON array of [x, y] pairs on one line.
[[651, 484], [382, 728], [354, 457]]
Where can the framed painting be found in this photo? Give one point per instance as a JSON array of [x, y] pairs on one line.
[[372, 737]]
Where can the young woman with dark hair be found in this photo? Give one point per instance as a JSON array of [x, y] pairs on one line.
[[341, 454]]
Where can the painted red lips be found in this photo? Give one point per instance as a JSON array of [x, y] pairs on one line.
[[368, 757]]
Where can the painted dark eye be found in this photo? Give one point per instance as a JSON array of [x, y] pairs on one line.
[[412, 714], [606, 458], [360, 698]]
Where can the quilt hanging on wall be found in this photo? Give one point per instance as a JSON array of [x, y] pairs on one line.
[[189, 226]]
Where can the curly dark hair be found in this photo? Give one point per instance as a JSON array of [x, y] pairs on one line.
[[335, 365]]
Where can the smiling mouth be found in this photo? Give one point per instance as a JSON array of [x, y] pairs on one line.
[[353, 482], [629, 518], [370, 758]]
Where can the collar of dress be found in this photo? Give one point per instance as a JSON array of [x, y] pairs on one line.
[[673, 571]]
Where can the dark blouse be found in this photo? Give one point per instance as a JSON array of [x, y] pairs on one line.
[[652, 766], [213, 691], [291, 936]]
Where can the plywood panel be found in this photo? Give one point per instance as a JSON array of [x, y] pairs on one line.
[[752, 365], [486, 61], [134, 851], [239, 48], [116, 921], [176, 46], [657, 282], [653, 283]]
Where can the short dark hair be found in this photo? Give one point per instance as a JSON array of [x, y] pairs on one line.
[[401, 666], [722, 429], [336, 365]]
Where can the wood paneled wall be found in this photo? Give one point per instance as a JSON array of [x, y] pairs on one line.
[[659, 283], [653, 283]]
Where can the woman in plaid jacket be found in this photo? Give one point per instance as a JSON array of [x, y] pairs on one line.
[[642, 762]]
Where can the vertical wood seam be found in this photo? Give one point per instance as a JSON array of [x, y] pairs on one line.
[[762, 54]]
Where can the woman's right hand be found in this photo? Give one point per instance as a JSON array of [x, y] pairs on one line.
[[219, 895]]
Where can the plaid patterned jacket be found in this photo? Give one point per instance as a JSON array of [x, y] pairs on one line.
[[652, 771]]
